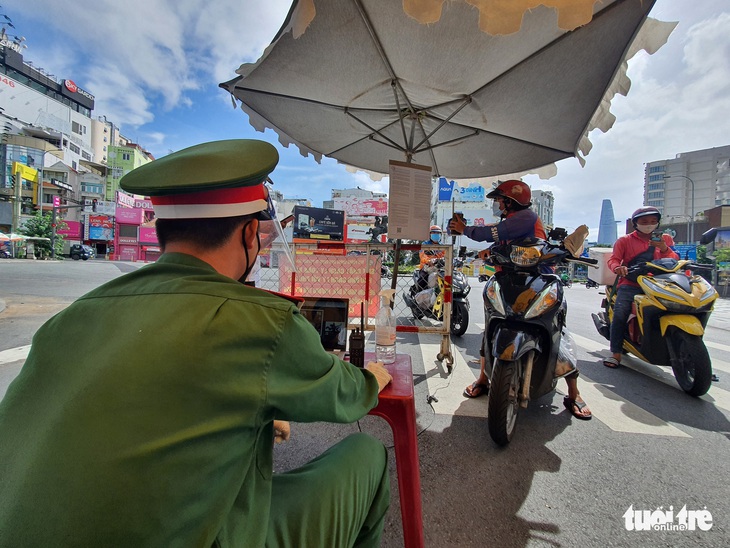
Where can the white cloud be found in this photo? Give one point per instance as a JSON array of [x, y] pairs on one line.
[[139, 56]]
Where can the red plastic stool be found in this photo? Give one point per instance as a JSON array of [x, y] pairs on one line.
[[396, 405]]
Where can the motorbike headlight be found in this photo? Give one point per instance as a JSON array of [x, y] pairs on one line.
[[524, 256], [547, 298], [656, 287], [710, 293], [494, 294], [674, 306]]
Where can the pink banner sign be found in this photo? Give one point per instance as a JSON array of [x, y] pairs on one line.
[[360, 207]]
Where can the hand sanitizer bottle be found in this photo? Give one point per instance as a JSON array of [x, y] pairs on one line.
[[385, 323]]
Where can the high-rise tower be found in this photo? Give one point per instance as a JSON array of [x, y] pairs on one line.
[[607, 224]]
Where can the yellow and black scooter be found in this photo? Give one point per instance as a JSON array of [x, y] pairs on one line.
[[668, 320]]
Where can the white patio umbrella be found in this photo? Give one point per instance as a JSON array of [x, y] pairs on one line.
[[472, 88]]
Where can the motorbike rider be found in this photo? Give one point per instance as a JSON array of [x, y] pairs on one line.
[[428, 257], [517, 221], [634, 248]]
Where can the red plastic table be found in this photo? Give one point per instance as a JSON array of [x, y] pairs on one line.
[[397, 406]]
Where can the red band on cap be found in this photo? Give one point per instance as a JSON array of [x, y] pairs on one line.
[[238, 195]]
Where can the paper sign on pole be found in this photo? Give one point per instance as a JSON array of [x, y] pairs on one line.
[[409, 201]]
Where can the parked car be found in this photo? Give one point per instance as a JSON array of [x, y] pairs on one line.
[[84, 252]]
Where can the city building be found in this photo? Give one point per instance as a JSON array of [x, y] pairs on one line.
[[686, 186], [543, 203], [121, 159]]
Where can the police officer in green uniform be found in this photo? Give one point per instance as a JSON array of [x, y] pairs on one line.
[[163, 435]]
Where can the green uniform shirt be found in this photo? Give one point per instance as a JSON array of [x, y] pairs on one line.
[[143, 414]]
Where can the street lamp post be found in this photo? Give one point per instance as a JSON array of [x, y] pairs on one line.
[[692, 205]]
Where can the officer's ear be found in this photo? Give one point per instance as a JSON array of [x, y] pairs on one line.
[[249, 232]]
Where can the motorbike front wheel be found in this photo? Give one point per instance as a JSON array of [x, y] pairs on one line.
[[690, 362], [459, 319], [503, 401]]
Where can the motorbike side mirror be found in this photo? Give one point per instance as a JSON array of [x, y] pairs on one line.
[[708, 236], [462, 251]]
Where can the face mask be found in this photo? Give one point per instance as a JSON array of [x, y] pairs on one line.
[[646, 229], [436, 237]]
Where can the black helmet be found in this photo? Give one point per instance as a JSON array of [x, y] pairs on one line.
[[644, 212]]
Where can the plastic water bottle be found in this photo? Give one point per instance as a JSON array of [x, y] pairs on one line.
[[385, 329]]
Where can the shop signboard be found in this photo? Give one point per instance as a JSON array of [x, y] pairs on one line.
[[314, 223], [129, 216], [147, 235]]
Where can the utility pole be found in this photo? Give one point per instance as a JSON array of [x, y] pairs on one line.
[[53, 223]]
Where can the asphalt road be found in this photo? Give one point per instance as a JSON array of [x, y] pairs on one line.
[[561, 482]]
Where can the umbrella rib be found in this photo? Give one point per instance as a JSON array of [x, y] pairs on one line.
[[394, 79], [466, 101], [375, 131]]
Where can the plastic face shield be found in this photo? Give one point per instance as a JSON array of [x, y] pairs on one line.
[[270, 230]]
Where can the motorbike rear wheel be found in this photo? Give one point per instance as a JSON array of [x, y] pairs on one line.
[[503, 401], [690, 361], [459, 319]]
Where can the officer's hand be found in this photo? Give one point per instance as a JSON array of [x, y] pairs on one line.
[[282, 431], [456, 225], [381, 374], [621, 271]]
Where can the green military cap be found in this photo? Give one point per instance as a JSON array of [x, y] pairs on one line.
[[216, 179]]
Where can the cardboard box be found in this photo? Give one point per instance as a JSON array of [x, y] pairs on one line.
[[602, 274]]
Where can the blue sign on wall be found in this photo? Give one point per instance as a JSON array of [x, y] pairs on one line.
[[686, 251], [471, 194], [445, 189]]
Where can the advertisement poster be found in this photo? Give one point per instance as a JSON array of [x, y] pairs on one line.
[[315, 223], [101, 227], [72, 230]]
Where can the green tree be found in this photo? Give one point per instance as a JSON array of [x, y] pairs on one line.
[[41, 226]]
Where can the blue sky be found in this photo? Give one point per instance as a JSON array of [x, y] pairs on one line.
[[154, 67]]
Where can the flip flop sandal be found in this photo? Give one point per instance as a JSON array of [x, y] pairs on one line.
[[611, 363], [477, 389], [570, 405]]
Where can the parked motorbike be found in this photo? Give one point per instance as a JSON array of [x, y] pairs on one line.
[[385, 271], [425, 297], [526, 338], [590, 284], [668, 320]]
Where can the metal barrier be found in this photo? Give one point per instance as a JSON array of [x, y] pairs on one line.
[[355, 272]]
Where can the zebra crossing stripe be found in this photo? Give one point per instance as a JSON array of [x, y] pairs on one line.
[[718, 396], [14, 354]]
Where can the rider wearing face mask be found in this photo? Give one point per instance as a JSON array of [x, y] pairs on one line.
[[428, 255], [634, 248]]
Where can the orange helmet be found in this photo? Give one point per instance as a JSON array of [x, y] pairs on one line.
[[513, 189], [435, 228]]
